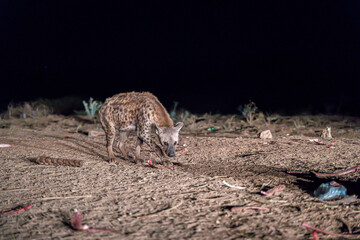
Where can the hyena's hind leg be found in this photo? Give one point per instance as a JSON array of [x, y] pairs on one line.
[[121, 145], [110, 131], [139, 143]]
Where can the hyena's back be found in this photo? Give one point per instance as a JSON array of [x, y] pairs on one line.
[[127, 111]]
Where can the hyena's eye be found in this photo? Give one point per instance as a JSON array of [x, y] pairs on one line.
[[175, 142], [166, 143]]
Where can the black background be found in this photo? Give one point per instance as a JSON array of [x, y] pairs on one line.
[[211, 56]]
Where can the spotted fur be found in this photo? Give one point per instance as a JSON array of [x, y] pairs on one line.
[[140, 112]]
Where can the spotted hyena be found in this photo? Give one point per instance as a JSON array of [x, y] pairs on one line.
[[140, 112]]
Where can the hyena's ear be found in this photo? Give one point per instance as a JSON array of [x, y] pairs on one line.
[[178, 126], [158, 130]]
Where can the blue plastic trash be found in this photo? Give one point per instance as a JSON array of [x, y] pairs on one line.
[[330, 190]]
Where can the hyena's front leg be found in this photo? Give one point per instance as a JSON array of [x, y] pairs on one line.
[[144, 134]]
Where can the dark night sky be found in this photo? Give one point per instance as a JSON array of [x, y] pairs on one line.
[[288, 56]]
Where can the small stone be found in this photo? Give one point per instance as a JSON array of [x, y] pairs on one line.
[[94, 133], [326, 133], [265, 134]]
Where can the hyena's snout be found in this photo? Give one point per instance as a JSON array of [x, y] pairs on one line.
[[171, 151]]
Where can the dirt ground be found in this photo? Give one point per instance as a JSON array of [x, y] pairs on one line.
[[190, 202]]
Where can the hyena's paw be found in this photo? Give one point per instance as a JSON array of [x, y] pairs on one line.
[[113, 160], [138, 160], [166, 162]]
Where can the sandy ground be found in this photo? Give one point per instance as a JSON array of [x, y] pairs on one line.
[[190, 202]]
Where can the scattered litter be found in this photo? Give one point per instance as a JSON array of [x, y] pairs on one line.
[[232, 186], [314, 140], [234, 209], [16, 211], [326, 133], [304, 224], [160, 166], [4, 145], [273, 190], [57, 161], [76, 225], [210, 129], [265, 134], [330, 190], [355, 169]]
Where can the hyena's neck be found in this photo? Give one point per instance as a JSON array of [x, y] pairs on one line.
[[161, 116]]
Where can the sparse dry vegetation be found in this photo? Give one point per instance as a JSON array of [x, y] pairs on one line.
[[27, 110]]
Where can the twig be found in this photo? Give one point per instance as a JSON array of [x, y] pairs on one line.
[[232, 186], [246, 208], [67, 197], [161, 211], [76, 225], [16, 211], [13, 190], [273, 190], [304, 224], [355, 169]]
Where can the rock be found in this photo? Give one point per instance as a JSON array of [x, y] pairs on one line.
[[265, 134], [94, 133], [326, 133]]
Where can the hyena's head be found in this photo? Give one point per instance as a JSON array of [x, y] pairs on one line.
[[169, 137]]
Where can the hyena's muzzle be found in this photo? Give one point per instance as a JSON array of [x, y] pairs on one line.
[[170, 151]]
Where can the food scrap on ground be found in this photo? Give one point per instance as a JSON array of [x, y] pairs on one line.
[[326, 144], [355, 169], [17, 210], [274, 190], [76, 225], [305, 224]]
